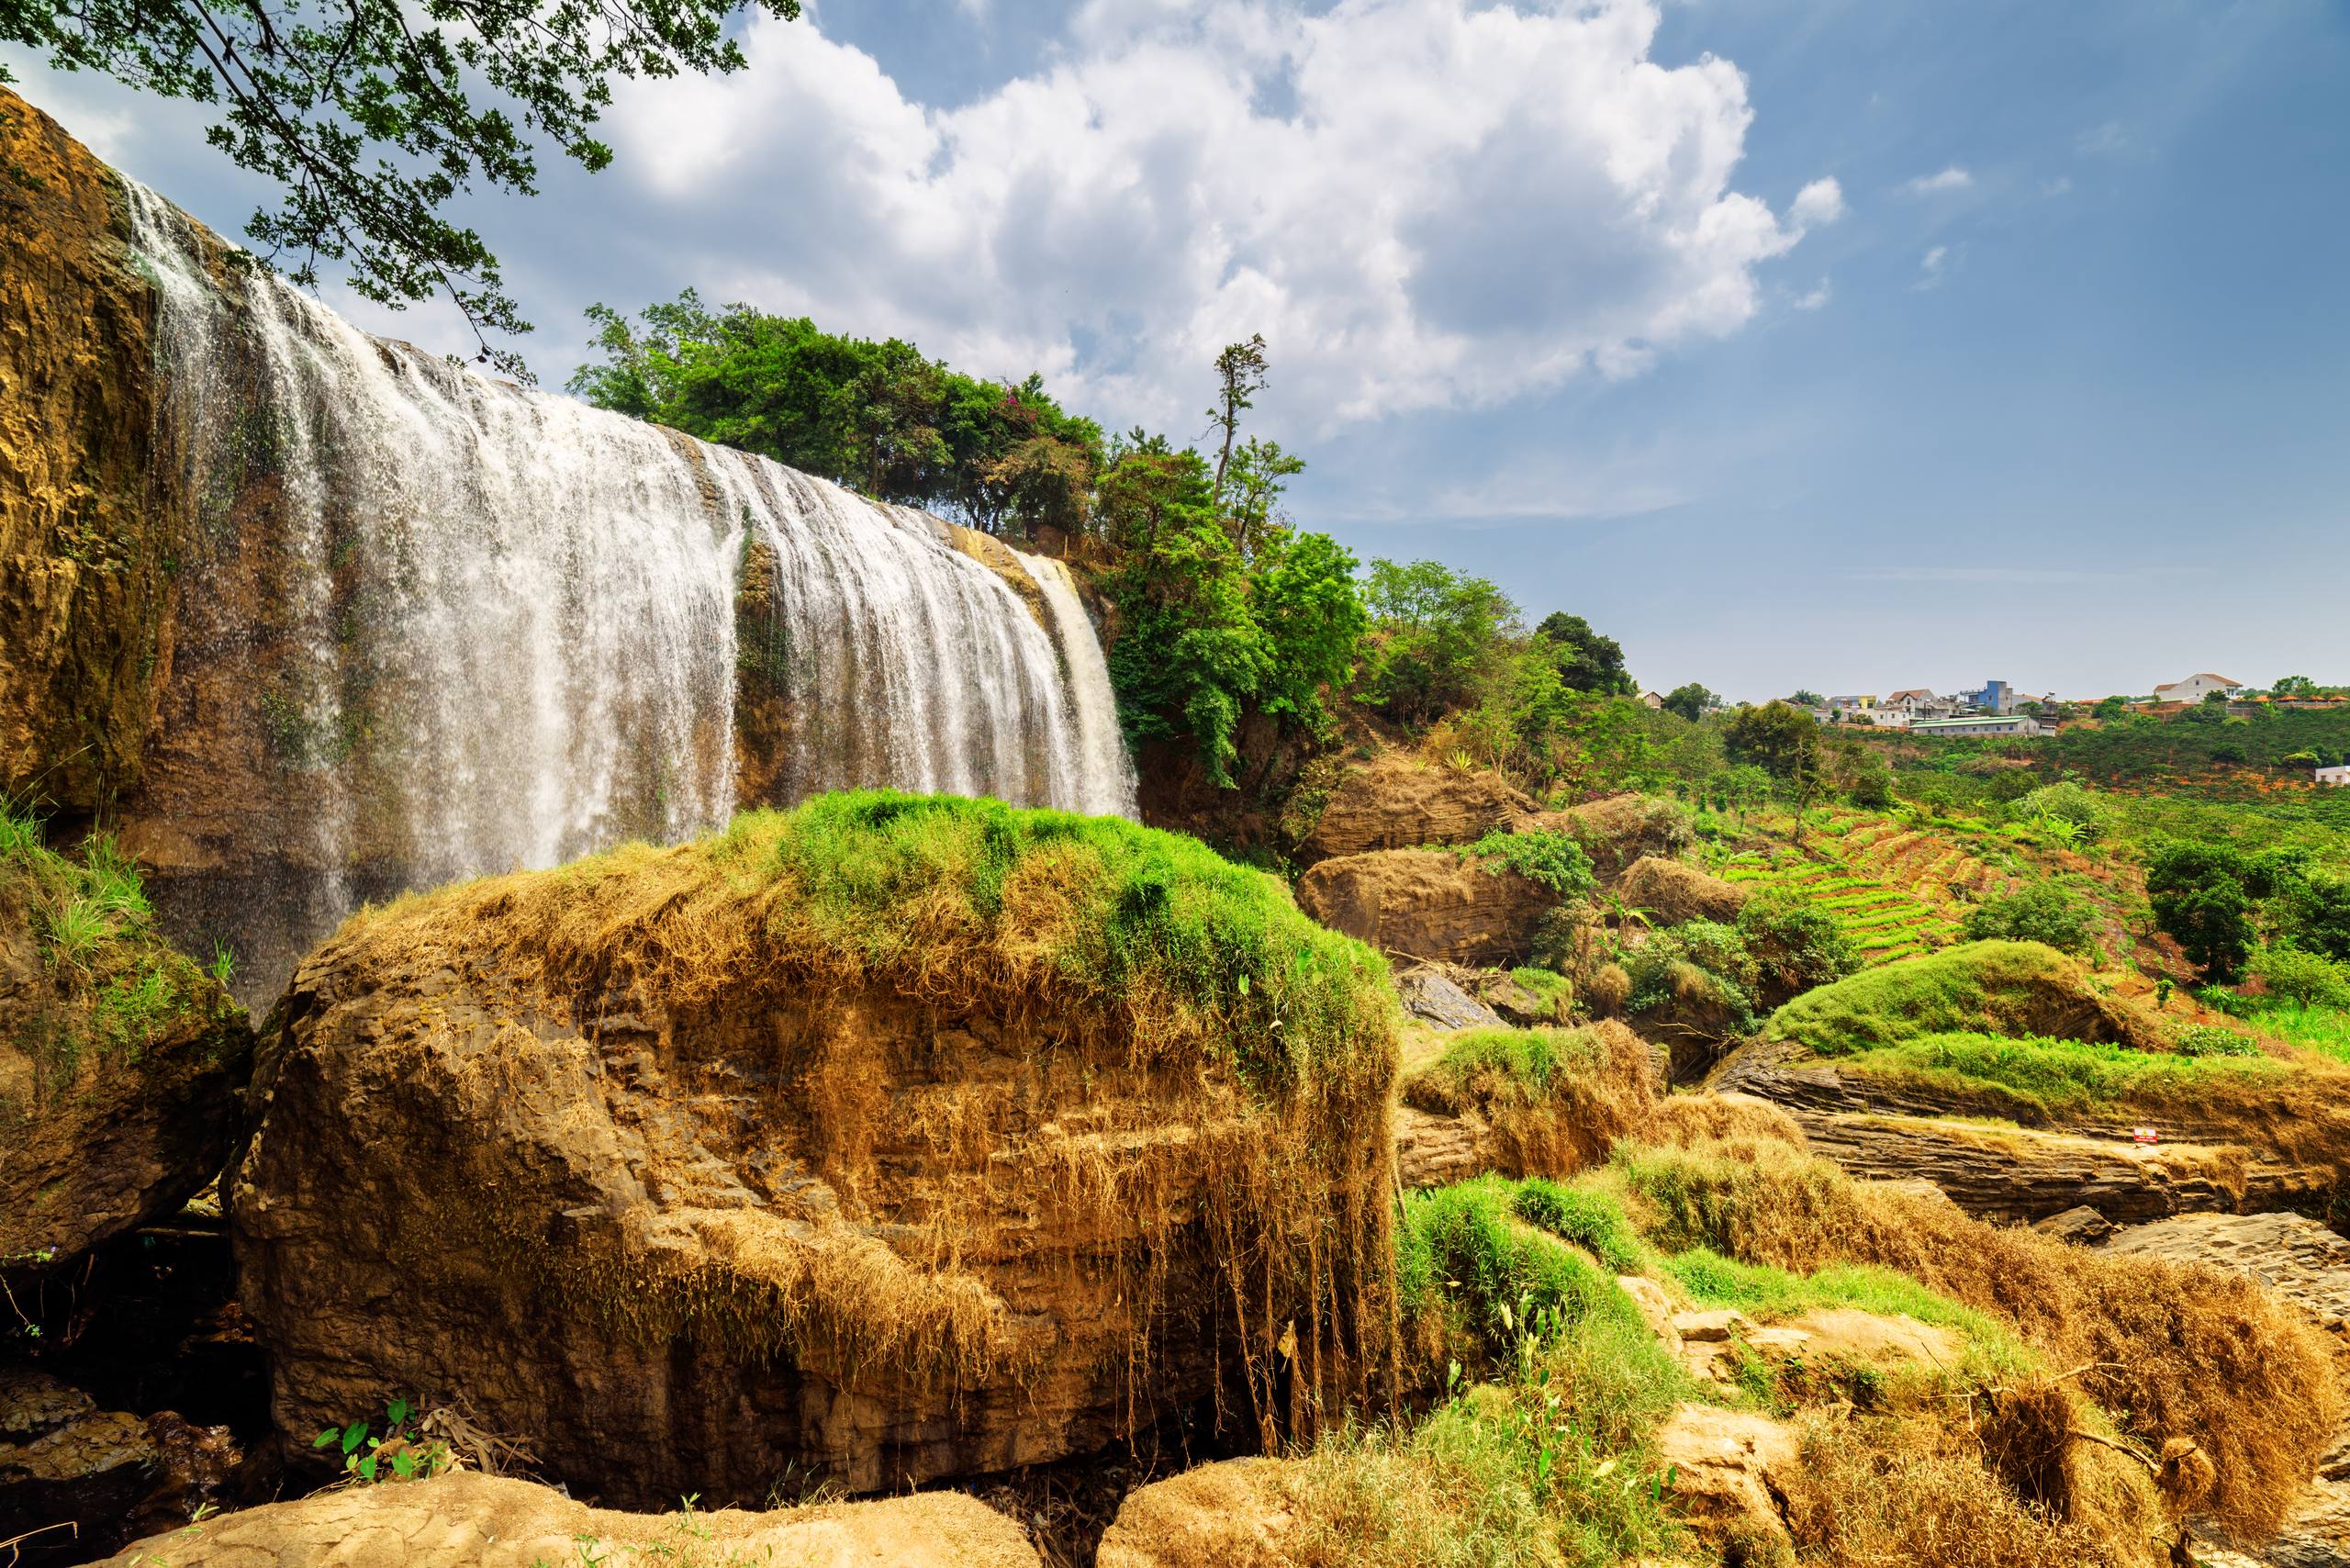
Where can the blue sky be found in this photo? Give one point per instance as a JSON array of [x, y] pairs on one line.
[[1851, 345]]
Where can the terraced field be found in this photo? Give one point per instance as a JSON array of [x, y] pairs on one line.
[[1891, 887]]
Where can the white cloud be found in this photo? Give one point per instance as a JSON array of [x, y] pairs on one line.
[[1419, 203], [1815, 298], [1931, 268], [1951, 179], [2061, 185], [2104, 140], [1818, 203]]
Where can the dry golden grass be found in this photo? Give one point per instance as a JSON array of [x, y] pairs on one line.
[[1906, 1492], [1557, 1100], [2170, 1350], [1686, 1119]]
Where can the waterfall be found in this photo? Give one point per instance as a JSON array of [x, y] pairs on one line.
[[435, 625], [1105, 771]]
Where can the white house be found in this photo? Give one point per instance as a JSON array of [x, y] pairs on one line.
[[2333, 775], [2195, 688], [1980, 724]]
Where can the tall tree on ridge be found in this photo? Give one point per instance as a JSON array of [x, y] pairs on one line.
[[1240, 372]]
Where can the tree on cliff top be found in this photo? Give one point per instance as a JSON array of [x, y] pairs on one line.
[[360, 110]]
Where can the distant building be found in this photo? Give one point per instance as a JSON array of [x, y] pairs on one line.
[[1651, 700], [1916, 699], [1992, 697], [1887, 719], [2333, 775], [2195, 688], [1980, 724]]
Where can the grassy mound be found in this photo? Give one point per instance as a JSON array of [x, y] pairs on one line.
[[2035, 1081], [1992, 988], [1144, 936], [2171, 1350], [1557, 1100]]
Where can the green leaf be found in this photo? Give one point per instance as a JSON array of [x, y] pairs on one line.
[[332, 1434], [353, 1436], [404, 1465], [398, 1411], [367, 1468]]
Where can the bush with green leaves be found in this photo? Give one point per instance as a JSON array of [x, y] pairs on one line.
[[2306, 979], [1660, 967], [2069, 802], [2040, 912], [1543, 855], [401, 1453], [1793, 942]]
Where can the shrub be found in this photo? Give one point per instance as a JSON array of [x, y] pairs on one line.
[[2040, 912], [1557, 1100], [2070, 802], [2307, 979], [2173, 1349], [1794, 943], [1552, 858], [1699, 961]]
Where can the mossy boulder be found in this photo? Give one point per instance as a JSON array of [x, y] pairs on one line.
[[119, 1059], [890, 1138], [2017, 989]]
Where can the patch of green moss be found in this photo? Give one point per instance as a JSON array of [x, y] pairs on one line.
[[1997, 988], [2034, 1079]]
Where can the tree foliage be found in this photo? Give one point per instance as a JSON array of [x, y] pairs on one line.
[[364, 112], [878, 416]]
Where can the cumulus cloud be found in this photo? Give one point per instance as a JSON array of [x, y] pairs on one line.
[[1419, 203], [1954, 178], [1933, 268], [1817, 203], [1815, 298]]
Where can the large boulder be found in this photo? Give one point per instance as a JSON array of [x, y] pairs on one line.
[[86, 545], [119, 1059], [1617, 830], [890, 1140], [1673, 891], [466, 1520], [1397, 801], [1430, 904]]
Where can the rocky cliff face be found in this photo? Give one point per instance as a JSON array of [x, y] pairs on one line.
[[87, 548], [686, 1235], [119, 1066]]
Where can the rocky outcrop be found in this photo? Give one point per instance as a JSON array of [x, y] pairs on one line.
[[1431, 996], [466, 1520], [1397, 801], [86, 548], [1727, 1469], [685, 1225], [119, 1070], [1616, 831], [1233, 1515], [76, 1480], [1428, 903], [1672, 893], [1887, 1129]]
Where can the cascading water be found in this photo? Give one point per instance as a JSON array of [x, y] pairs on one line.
[[473, 628], [1104, 768]]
